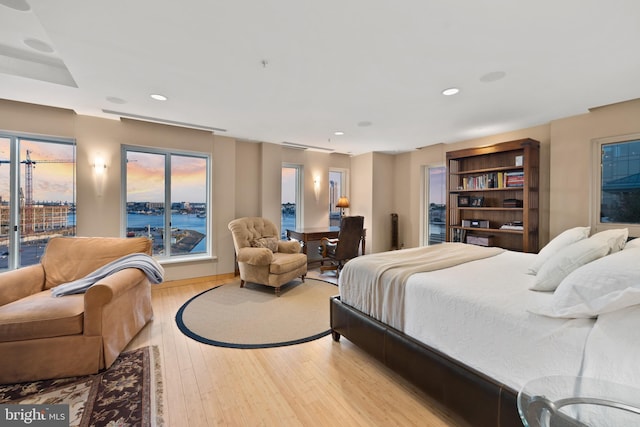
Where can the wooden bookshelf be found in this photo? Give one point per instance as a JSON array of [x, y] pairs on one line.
[[480, 180]]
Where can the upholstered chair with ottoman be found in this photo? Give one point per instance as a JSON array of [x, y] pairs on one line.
[[43, 336], [264, 258]]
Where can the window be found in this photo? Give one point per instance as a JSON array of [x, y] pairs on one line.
[[37, 196], [435, 206], [618, 185], [337, 189], [291, 196], [155, 179]]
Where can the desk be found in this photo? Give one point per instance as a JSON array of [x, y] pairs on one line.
[[567, 401], [305, 235]]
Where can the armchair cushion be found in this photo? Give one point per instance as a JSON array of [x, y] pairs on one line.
[[88, 254], [283, 263], [36, 317], [289, 247], [270, 243], [30, 278], [255, 256]]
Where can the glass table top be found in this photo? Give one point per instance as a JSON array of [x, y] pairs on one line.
[[568, 401]]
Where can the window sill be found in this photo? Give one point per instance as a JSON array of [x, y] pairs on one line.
[[186, 259]]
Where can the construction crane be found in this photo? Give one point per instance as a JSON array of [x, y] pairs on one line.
[[29, 165]]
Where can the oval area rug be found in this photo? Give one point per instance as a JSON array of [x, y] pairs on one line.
[[253, 317]]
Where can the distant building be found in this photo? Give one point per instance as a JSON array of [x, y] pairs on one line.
[[36, 218]]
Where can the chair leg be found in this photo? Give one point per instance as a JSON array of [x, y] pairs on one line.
[[241, 283], [303, 276], [278, 291]]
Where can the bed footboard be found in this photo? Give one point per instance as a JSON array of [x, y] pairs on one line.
[[477, 398]]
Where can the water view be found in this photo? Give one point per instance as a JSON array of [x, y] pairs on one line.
[[188, 236]]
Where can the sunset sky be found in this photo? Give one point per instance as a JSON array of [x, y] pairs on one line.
[[51, 181], [145, 178]]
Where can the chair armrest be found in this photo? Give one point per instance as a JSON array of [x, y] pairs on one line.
[[324, 243], [20, 283], [255, 256], [289, 246], [106, 290], [329, 241]]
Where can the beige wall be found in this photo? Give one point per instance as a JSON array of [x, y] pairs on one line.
[[411, 184], [247, 175], [566, 168], [571, 160], [100, 203], [361, 201], [383, 185]]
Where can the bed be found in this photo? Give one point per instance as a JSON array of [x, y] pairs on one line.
[[472, 333]]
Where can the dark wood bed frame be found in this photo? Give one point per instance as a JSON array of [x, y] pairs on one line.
[[479, 399]]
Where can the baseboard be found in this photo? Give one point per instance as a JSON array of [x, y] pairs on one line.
[[194, 280]]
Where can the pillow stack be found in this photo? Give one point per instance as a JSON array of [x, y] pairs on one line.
[[589, 275]]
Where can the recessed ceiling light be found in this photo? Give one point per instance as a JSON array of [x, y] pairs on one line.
[[338, 133], [38, 45], [450, 91], [158, 97]]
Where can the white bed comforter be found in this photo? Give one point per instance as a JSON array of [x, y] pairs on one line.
[[381, 277], [476, 313]]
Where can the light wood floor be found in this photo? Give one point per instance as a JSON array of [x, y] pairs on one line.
[[312, 384]]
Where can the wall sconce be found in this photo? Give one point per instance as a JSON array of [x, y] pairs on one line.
[[99, 166], [316, 187], [99, 170], [343, 202]]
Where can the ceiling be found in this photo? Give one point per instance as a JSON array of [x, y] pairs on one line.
[[298, 71]]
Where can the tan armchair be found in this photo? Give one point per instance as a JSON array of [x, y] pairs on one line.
[[262, 257], [43, 337]]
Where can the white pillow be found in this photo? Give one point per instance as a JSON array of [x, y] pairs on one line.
[[616, 238], [633, 243], [605, 285], [562, 240], [566, 260]]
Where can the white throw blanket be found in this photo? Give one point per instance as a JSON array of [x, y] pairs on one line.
[[144, 262], [376, 282]]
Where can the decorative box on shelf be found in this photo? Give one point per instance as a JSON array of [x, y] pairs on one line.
[[512, 203], [475, 223], [479, 240]]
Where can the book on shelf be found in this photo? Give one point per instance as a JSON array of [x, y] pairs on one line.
[[514, 179], [484, 181], [513, 225]]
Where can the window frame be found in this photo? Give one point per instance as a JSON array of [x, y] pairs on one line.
[[425, 197], [167, 258], [299, 194], [596, 190], [344, 184], [15, 183]]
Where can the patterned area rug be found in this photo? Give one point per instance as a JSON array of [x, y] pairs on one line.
[[129, 393]]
